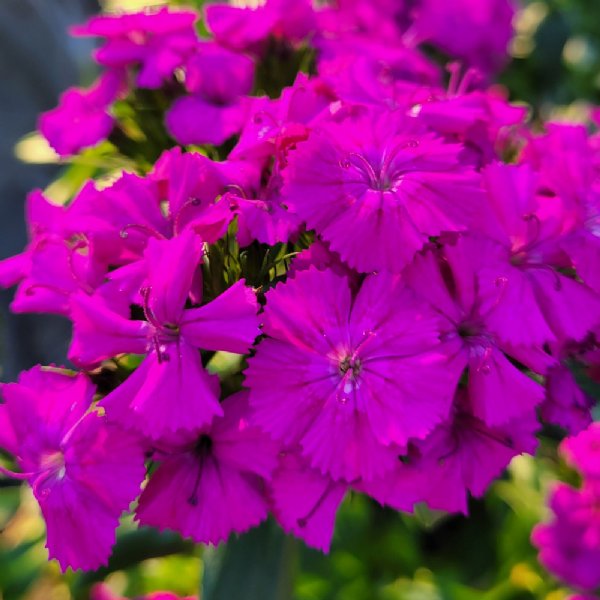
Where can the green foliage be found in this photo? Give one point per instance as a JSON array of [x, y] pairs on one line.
[[556, 55]]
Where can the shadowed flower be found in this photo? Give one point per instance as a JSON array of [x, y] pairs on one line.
[[304, 501], [212, 483]]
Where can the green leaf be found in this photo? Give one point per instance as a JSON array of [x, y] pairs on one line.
[[259, 565]]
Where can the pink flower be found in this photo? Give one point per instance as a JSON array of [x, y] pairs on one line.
[[569, 545], [56, 263], [377, 186], [211, 482], [384, 19], [275, 126], [170, 390], [583, 452], [539, 303], [193, 185], [84, 472], [82, 118], [462, 455], [477, 31], [120, 219], [455, 281], [218, 81], [364, 69], [101, 591], [566, 404], [568, 169], [481, 120], [254, 196], [247, 29], [304, 501], [158, 42], [349, 380]]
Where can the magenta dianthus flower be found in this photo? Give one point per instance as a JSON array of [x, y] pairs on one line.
[[375, 187], [349, 379], [569, 545], [462, 455], [158, 42], [170, 390], [583, 452], [101, 591], [56, 263], [455, 281], [82, 118], [476, 31], [211, 482], [84, 472], [218, 81], [304, 501], [540, 303], [248, 28]]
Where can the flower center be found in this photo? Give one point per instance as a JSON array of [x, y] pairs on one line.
[[203, 445], [469, 329], [350, 366], [386, 174], [53, 463], [374, 179]]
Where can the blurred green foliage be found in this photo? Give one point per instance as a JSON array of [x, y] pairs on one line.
[[556, 56]]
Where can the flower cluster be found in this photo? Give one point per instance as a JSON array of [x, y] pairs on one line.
[[403, 271], [569, 545]]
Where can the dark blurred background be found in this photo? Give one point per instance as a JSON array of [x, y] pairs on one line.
[[37, 62]]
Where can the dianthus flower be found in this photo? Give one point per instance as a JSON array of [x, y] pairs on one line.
[[84, 471], [82, 118], [170, 390], [365, 70], [211, 482], [540, 303], [304, 501], [275, 126], [583, 452], [481, 120], [384, 19], [180, 193], [567, 165], [455, 281], [157, 42], [101, 591], [566, 404], [56, 263], [569, 545], [462, 455], [477, 32], [375, 187], [349, 379], [248, 28], [218, 81]]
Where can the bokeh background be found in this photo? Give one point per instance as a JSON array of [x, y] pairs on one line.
[[377, 554]]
